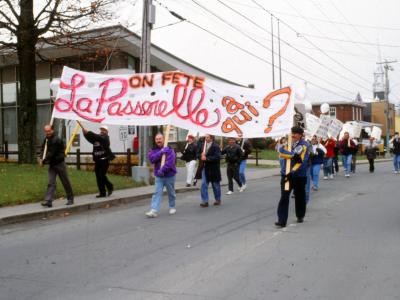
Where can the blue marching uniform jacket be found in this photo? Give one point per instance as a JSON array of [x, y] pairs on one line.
[[298, 156]]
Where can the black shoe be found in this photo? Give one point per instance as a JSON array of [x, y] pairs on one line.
[[70, 202], [216, 203], [47, 204], [101, 196], [300, 220], [110, 191], [187, 185], [280, 225], [204, 204], [194, 182]]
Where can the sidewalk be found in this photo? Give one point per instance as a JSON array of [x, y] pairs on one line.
[[34, 211]]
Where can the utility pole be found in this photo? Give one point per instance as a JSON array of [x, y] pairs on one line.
[[273, 54], [387, 67], [145, 55], [279, 52]]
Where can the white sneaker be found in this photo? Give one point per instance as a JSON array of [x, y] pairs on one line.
[[229, 193], [241, 189], [151, 214], [395, 172], [331, 177], [347, 175], [325, 177], [172, 211], [244, 187]]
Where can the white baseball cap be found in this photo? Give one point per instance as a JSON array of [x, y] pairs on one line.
[[104, 127]]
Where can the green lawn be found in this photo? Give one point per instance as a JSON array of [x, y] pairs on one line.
[[266, 154], [27, 183]]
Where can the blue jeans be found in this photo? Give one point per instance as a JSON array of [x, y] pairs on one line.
[[346, 160], [396, 162], [216, 186], [242, 169], [315, 174], [169, 183], [308, 184], [328, 166]]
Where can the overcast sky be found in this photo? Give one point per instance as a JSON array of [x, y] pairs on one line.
[[334, 69]]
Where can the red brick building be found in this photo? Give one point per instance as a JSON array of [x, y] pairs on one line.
[[342, 110]]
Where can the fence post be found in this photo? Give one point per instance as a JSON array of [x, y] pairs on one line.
[[6, 150], [257, 157], [78, 159], [128, 161]]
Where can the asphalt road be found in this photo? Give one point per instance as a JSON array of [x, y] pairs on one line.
[[348, 248]]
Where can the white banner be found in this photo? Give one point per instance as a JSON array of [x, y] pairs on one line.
[[187, 101], [376, 133], [335, 128], [356, 129], [322, 131], [313, 123]]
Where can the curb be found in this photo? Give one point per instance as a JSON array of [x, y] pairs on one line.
[[77, 208], [65, 211]]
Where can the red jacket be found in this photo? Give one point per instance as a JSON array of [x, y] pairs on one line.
[[330, 147]]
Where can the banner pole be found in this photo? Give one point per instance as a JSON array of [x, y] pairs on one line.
[[166, 138], [72, 138], [288, 161]]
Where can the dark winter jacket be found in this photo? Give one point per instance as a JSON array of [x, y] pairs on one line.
[[318, 157], [396, 146], [298, 156], [169, 168], [233, 153], [370, 150], [190, 153], [344, 147], [55, 150], [101, 146], [212, 164], [246, 150]]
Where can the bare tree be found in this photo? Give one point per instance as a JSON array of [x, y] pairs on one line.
[[22, 27]]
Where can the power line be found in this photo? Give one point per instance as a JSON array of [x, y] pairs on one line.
[[250, 53], [269, 49], [313, 44]]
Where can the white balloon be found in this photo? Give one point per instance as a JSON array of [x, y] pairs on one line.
[[324, 108], [308, 106]]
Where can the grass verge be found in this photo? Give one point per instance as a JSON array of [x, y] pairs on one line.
[[21, 184]]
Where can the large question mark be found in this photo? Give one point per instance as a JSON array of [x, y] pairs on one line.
[[267, 103]]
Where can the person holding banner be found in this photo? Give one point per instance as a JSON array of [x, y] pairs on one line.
[[335, 160], [396, 152], [297, 177], [246, 149], [370, 152], [210, 156], [317, 159], [328, 160], [55, 158], [346, 147], [164, 176], [102, 155], [233, 154], [354, 156], [189, 156]]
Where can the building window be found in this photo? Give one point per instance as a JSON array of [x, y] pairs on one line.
[[332, 112]]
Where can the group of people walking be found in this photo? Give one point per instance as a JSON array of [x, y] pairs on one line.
[[208, 154], [300, 174]]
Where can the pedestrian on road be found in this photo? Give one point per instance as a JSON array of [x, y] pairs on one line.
[[210, 154], [233, 154], [370, 152], [164, 176], [396, 152], [246, 149], [55, 158], [189, 155], [346, 147], [297, 177], [328, 159], [335, 160], [317, 159], [102, 155], [354, 156]]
